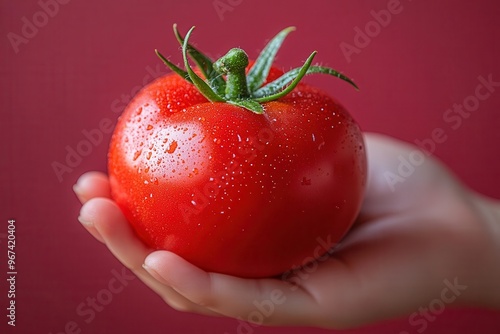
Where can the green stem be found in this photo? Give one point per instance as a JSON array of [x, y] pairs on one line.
[[226, 79], [233, 66]]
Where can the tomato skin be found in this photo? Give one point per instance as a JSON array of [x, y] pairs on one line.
[[232, 191]]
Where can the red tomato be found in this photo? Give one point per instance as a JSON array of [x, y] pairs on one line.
[[232, 191]]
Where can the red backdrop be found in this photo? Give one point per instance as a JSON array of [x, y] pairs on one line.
[[68, 66]]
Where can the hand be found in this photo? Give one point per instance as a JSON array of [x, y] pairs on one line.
[[419, 238]]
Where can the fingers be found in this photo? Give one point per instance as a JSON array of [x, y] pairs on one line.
[[260, 301], [90, 185], [103, 218], [330, 296], [114, 229]]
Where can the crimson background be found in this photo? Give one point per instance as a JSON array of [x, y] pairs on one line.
[[65, 79]]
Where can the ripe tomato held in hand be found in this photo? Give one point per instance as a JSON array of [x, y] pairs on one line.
[[248, 173]]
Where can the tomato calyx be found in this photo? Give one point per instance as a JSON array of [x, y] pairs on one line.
[[227, 81]]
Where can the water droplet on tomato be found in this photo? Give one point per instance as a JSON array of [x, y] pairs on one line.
[[136, 155], [172, 147]]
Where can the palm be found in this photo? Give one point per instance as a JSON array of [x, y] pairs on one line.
[[404, 245]]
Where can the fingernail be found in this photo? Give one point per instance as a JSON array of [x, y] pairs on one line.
[[78, 192], [85, 222], [155, 274], [91, 228]]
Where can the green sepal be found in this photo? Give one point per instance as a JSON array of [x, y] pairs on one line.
[[173, 67], [202, 86], [278, 84], [280, 91], [204, 63], [251, 105], [260, 69]]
